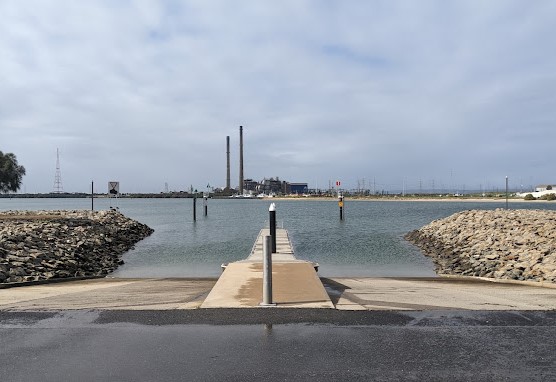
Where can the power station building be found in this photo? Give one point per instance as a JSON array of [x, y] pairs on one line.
[[266, 186], [298, 188], [274, 186]]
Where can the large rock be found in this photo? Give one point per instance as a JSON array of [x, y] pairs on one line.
[[505, 244], [39, 245]]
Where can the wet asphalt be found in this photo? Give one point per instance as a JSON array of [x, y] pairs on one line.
[[278, 345]]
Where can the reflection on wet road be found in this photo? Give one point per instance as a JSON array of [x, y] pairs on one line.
[[88, 345]]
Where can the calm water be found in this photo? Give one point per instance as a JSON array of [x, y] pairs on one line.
[[369, 242]]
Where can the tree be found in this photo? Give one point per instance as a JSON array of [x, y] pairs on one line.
[[10, 173], [529, 197], [548, 197]]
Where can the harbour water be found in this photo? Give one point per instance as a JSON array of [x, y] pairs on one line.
[[369, 242]]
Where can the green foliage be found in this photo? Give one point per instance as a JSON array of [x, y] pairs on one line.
[[529, 197], [549, 187], [11, 173], [548, 197]]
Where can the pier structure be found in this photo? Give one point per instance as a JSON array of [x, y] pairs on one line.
[[295, 282]]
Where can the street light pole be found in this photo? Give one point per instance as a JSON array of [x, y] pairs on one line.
[[506, 192]]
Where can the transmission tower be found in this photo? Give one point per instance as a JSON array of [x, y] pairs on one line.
[[58, 188]]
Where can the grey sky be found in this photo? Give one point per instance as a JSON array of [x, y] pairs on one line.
[[455, 93]]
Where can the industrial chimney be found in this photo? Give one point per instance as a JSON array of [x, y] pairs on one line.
[[227, 163], [241, 160]]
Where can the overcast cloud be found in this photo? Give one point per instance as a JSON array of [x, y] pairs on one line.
[[458, 94]]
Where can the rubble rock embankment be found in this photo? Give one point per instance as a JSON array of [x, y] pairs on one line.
[[42, 245], [501, 244]]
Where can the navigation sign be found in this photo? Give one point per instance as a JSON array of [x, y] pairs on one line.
[[113, 188]]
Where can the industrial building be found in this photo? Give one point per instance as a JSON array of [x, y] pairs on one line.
[[298, 188], [270, 186], [274, 186]]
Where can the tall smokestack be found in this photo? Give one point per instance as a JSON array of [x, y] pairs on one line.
[[241, 160], [227, 162]]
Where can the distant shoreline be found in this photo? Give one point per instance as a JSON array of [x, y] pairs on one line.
[[409, 199], [446, 199]]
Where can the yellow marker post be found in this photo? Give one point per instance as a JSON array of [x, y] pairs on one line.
[[341, 205]]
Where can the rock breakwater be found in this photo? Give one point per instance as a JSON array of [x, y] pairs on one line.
[[501, 244], [42, 245]]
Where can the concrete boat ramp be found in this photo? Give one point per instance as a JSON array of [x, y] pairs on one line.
[[295, 282], [295, 285]]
